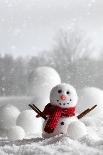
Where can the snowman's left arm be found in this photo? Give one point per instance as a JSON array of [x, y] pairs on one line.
[[85, 112]]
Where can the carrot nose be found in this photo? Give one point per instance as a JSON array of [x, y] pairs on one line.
[[63, 97]]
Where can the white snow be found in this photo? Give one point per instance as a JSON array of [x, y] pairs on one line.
[[16, 133], [45, 78], [28, 121], [76, 130], [91, 144], [88, 97], [8, 116]]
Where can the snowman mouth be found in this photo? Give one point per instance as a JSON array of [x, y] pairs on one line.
[[64, 103]]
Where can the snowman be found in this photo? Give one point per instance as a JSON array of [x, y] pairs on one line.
[[60, 114], [61, 110]]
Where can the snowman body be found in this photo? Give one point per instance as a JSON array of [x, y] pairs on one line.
[[65, 97], [61, 128]]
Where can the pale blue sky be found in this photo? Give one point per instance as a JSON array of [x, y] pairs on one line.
[[29, 26]]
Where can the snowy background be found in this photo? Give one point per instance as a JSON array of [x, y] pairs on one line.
[[42, 31], [44, 43]]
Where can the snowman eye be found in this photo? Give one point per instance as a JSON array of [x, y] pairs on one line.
[[59, 91], [68, 92]]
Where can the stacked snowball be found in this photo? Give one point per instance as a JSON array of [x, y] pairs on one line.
[[16, 125], [8, 116], [28, 121], [45, 78]]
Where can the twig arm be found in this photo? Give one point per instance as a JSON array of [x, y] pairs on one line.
[[86, 112], [37, 111]]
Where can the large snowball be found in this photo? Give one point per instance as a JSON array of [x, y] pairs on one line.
[[76, 130], [46, 75], [45, 78], [8, 116], [88, 97], [28, 121], [16, 133]]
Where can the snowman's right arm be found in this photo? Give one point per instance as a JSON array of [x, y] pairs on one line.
[[46, 111]]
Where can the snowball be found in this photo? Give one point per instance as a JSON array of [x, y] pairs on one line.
[[88, 97], [45, 78], [16, 133], [76, 130], [8, 116], [47, 75], [28, 121]]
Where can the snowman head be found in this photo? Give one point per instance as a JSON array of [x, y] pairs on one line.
[[63, 95]]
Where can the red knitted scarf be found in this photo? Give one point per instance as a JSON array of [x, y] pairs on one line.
[[55, 113]]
